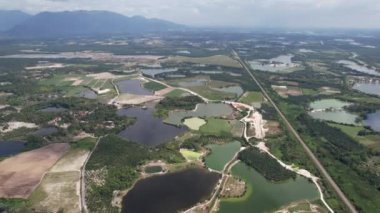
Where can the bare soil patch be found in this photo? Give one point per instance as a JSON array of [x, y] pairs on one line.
[[20, 175], [10, 126], [273, 128], [58, 191], [102, 75], [233, 188], [126, 99]]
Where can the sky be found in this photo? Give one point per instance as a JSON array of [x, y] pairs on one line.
[[227, 13]]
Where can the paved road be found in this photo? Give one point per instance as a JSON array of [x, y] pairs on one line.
[[311, 155]]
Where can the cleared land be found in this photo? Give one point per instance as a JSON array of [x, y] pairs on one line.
[[191, 155], [60, 188], [233, 188], [20, 175], [194, 123], [220, 60], [58, 191]]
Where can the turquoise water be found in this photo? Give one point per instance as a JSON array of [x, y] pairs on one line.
[[221, 154], [332, 110], [265, 196], [368, 88], [202, 110]]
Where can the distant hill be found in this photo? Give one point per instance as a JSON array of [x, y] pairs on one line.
[[10, 18], [73, 23]]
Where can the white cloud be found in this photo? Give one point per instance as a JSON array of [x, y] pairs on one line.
[[247, 13]]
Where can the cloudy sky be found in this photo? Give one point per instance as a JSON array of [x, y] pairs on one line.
[[242, 13]]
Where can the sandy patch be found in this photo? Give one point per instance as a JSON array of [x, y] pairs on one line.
[[20, 175], [194, 123], [233, 188], [5, 94], [164, 91], [10, 126], [102, 75], [3, 106], [76, 81], [125, 99], [49, 66]]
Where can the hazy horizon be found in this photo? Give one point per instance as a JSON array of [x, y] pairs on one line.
[[349, 14]]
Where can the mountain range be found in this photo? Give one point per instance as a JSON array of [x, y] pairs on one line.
[[11, 18], [77, 23]]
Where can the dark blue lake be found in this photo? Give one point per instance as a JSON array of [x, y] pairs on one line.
[[171, 192], [132, 87], [8, 148], [147, 129], [373, 120]]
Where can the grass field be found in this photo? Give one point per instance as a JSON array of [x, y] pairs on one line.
[[190, 155], [251, 98], [216, 126], [372, 141], [175, 93], [213, 94], [153, 86]]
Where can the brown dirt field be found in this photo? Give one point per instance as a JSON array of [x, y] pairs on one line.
[[273, 128], [294, 92], [20, 175]]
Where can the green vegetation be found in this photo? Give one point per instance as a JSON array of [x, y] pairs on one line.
[[85, 143], [216, 126], [265, 165], [213, 94], [175, 93], [190, 155], [198, 142], [251, 98], [360, 134], [152, 169], [115, 164], [153, 86], [211, 60], [14, 205], [174, 103]]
